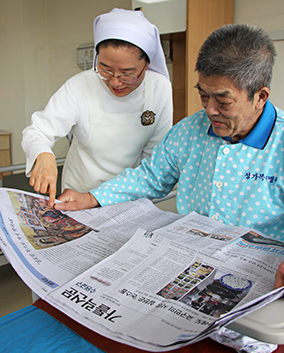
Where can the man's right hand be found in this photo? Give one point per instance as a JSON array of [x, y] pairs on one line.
[[74, 200], [44, 175], [279, 277]]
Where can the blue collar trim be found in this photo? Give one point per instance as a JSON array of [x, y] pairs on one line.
[[259, 135]]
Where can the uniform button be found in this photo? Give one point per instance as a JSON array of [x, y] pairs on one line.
[[215, 217], [219, 184], [226, 150]]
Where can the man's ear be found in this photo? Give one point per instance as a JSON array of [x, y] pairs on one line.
[[261, 97]]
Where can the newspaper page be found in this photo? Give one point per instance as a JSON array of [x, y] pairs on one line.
[[240, 246], [158, 294], [48, 248], [172, 283]]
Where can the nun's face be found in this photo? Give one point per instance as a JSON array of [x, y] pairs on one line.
[[121, 69]]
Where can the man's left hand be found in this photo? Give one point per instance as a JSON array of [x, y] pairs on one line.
[[74, 201]]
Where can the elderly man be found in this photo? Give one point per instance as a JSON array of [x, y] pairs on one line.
[[226, 159]]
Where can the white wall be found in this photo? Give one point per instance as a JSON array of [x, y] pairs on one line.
[[38, 41], [270, 16], [12, 81]]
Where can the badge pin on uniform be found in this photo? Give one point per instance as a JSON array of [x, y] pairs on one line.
[[147, 118]]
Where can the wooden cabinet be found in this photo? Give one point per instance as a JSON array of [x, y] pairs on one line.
[[203, 17], [5, 149]]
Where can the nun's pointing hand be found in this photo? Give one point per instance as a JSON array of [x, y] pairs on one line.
[[44, 175], [73, 201]]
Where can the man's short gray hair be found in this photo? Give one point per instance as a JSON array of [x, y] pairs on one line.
[[245, 54]]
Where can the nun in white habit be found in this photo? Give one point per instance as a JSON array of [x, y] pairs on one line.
[[118, 110]]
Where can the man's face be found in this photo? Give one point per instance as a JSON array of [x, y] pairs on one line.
[[228, 108]]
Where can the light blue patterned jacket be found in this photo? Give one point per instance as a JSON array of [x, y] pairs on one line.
[[234, 183]]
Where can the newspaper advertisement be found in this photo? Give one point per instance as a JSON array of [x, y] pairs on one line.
[[158, 288]]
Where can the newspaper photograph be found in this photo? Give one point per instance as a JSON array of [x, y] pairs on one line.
[[48, 248]]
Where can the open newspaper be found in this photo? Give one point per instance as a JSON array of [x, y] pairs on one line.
[[152, 279]]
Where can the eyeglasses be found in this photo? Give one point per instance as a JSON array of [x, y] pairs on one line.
[[125, 78]]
